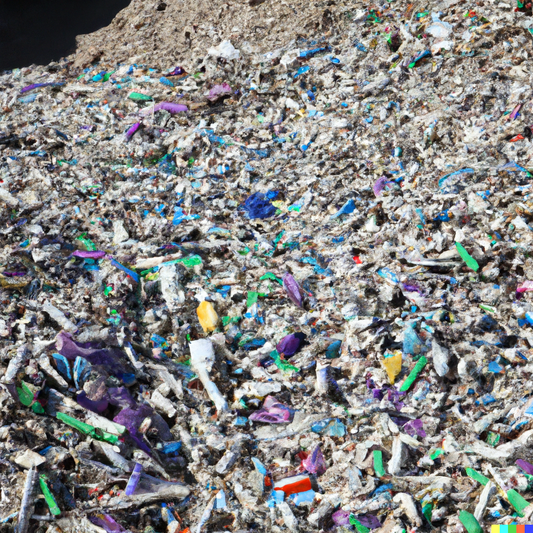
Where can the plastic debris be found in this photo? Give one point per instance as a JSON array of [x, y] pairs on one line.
[[267, 266]]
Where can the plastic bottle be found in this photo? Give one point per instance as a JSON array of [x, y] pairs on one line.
[[207, 316]]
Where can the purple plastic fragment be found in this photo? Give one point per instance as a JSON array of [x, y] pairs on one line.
[[415, 427], [106, 522], [272, 412], [219, 90], [368, 520], [525, 466], [134, 479], [178, 71], [110, 358], [292, 289], [411, 287], [394, 397], [315, 463], [514, 113], [88, 255], [166, 106], [377, 394], [341, 518], [37, 86], [380, 185], [96, 406], [289, 345], [132, 130], [132, 419], [400, 420], [121, 397]]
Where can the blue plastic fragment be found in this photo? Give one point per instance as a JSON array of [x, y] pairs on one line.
[[129, 272], [62, 364], [82, 369], [346, 209], [303, 497], [171, 447], [333, 350], [258, 206], [495, 367], [311, 53], [302, 70], [411, 342]]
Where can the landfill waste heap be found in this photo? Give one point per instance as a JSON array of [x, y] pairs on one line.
[[270, 275]]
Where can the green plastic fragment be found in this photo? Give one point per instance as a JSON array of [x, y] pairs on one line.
[[360, 528], [271, 276], [422, 362], [493, 438], [426, 511], [252, 298], [139, 97], [26, 396], [436, 453], [89, 245], [190, 261], [466, 257], [476, 476], [517, 501], [487, 308], [379, 469], [470, 522], [230, 320], [37, 408], [86, 429], [107, 76], [282, 364], [48, 496]]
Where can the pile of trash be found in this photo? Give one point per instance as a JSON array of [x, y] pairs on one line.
[[273, 291]]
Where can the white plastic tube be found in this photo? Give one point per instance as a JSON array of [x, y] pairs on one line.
[[202, 361]]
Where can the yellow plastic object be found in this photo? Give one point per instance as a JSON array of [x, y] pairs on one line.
[[393, 365], [207, 316]]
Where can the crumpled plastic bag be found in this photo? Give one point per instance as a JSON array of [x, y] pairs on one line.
[[272, 412], [225, 50]]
